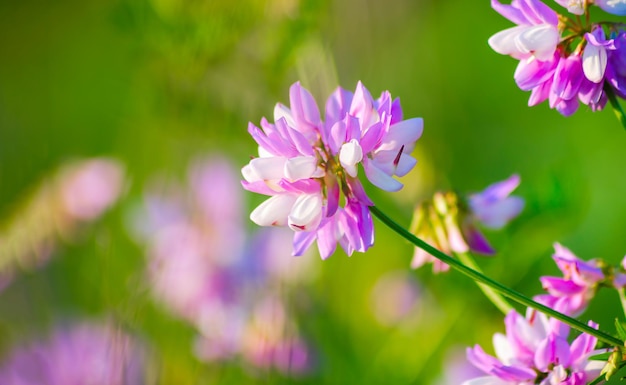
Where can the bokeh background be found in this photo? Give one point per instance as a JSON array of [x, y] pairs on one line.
[[154, 89]]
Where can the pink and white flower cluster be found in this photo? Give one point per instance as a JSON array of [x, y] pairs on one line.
[[452, 226], [535, 350], [305, 164], [572, 293], [561, 59]]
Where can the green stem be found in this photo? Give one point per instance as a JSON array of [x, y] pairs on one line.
[[617, 108], [498, 287], [496, 298], [622, 298]]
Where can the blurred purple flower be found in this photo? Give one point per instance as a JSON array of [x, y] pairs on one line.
[[535, 350], [453, 227], [90, 187], [81, 354], [202, 269], [305, 164], [395, 297]]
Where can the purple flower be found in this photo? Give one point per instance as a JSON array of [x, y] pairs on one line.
[[305, 164], [535, 351], [453, 227], [553, 65], [494, 207], [81, 354], [616, 67], [571, 293]]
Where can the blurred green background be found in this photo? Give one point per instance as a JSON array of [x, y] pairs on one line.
[[157, 83]]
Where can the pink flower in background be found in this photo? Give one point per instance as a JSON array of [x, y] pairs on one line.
[[453, 227], [78, 354], [203, 269], [535, 350], [395, 298], [80, 191], [90, 187], [305, 164], [571, 293]]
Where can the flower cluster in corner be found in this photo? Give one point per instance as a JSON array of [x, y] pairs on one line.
[[309, 167], [564, 60], [450, 223], [581, 279], [535, 350]]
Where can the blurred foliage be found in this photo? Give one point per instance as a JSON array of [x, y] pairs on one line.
[[156, 83]]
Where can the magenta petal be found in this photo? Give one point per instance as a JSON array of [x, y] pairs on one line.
[[582, 346], [362, 105], [510, 12], [396, 111], [326, 238], [531, 73], [476, 240], [302, 240], [560, 286], [540, 11], [568, 77], [337, 136], [514, 374], [357, 190], [337, 106], [483, 361], [553, 350], [304, 108]]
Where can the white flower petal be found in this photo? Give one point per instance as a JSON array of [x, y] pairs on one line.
[[300, 167], [264, 169], [594, 62], [350, 155], [274, 211], [539, 40], [503, 42], [306, 213], [282, 111]]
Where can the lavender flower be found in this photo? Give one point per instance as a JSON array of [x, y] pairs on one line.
[[561, 60], [305, 164], [452, 226], [535, 350], [81, 354]]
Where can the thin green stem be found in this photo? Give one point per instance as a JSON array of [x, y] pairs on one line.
[[617, 108], [622, 299], [496, 298], [507, 292]]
